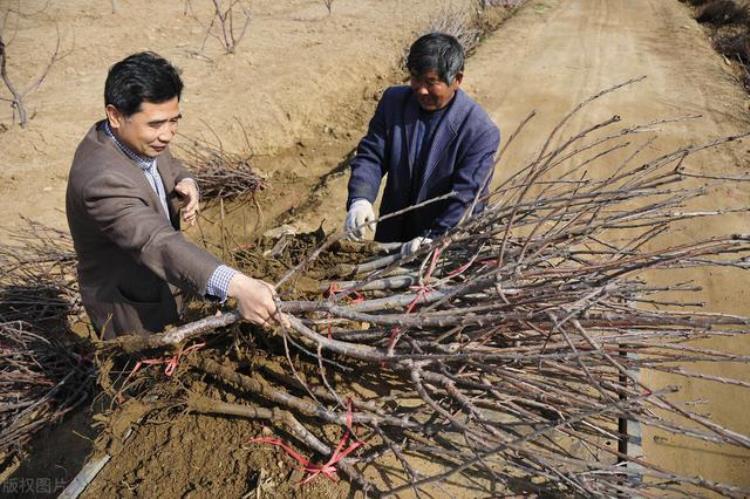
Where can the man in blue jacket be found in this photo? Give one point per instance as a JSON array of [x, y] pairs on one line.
[[430, 138]]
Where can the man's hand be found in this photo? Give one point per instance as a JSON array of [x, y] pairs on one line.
[[255, 301], [411, 247], [360, 213], [188, 191]]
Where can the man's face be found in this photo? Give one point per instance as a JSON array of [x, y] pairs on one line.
[[148, 131], [433, 93]]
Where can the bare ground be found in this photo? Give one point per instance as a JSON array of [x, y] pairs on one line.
[[299, 78], [302, 86]]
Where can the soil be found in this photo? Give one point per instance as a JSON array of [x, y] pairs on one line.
[[297, 95], [173, 453], [314, 79]]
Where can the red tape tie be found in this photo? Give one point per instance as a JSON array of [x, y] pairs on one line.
[[333, 293], [333, 288], [329, 468], [171, 362], [421, 291]]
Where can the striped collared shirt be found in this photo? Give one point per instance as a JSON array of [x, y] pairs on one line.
[[218, 284]]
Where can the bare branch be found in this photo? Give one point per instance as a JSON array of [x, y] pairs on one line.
[[222, 26], [18, 96]]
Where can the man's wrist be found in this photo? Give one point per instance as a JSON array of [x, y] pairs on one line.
[[195, 183], [235, 285]]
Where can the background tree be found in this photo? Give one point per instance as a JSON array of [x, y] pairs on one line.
[[228, 24], [17, 94]]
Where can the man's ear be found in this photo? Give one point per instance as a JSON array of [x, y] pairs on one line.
[[114, 116], [459, 78]]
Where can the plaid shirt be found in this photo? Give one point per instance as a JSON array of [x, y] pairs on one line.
[[218, 283]]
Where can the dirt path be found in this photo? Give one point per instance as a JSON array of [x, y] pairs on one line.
[[556, 54], [553, 55]]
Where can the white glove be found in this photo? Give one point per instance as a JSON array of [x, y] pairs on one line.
[[360, 212], [411, 247]]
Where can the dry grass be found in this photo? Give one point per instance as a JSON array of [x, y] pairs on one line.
[[735, 46], [722, 12]]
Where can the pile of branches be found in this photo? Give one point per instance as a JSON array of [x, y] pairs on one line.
[[458, 22], [507, 354], [38, 283], [468, 23], [221, 175], [41, 380]]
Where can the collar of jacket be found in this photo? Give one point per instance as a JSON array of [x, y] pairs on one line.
[[454, 115], [100, 137], [144, 162]]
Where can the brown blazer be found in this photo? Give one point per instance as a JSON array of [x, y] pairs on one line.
[[131, 259]]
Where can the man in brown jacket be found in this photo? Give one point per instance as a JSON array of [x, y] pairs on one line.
[[123, 201]]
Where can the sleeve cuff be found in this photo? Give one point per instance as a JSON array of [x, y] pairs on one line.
[[353, 201], [218, 284]]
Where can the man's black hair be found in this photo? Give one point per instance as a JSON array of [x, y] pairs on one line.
[[436, 51], [140, 77]]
